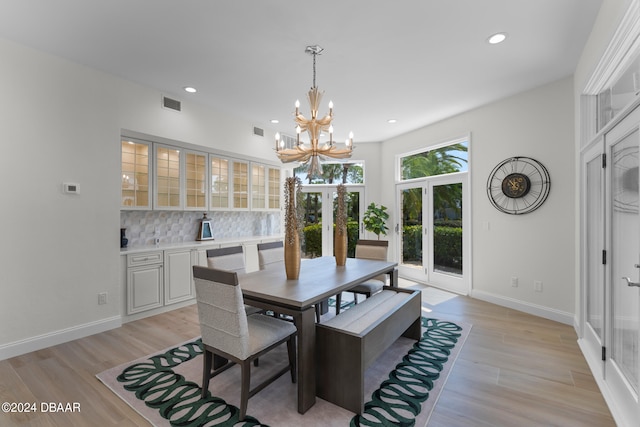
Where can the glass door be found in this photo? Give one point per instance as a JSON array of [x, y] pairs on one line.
[[447, 247], [593, 296], [320, 207], [410, 230], [622, 363], [432, 243]]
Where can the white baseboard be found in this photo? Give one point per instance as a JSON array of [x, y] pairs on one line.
[[28, 345], [527, 307]]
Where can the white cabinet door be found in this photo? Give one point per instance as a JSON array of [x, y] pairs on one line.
[[144, 288], [177, 276]]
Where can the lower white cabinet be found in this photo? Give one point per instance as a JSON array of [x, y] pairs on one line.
[[157, 278], [145, 282], [178, 282]]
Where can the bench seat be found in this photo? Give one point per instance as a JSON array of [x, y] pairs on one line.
[[348, 343]]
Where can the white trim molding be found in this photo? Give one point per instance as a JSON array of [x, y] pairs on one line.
[[39, 342], [526, 307]]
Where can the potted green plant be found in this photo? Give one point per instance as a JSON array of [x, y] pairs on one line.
[[375, 219]]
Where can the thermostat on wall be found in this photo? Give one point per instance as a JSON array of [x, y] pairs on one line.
[[71, 188]]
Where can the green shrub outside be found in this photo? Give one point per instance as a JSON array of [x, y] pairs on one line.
[[447, 242], [312, 246]]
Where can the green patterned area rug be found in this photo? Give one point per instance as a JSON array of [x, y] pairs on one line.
[[403, 386]]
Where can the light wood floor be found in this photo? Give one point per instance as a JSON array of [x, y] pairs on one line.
[[514, 370]]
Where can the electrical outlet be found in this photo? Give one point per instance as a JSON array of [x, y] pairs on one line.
[[537, 285], [514, 282], [102, 298]]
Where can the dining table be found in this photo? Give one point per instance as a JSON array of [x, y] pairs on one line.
[[319, 279]]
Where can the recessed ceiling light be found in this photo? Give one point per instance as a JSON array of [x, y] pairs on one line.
[[275, 121], [497, 38], [190, 89], [392, 121]]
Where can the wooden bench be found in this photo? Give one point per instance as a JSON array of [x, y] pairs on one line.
[[348, 343]]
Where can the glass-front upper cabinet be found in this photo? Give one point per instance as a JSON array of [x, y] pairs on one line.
[[274, 188], [258, 186], [135, 190], [240, 185], [168, 178], [219, 184], [265, 187], [196, 180]]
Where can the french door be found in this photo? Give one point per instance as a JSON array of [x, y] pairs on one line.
[[611, 293], [432, 232], [320, 207], [622, 363]]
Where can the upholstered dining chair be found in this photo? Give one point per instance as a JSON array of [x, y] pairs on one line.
[[273, 253], [368, 249], [229, 333], [230, 259], [270, 253]]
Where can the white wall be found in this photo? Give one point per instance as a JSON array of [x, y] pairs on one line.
[[61, 122], [534, 246]]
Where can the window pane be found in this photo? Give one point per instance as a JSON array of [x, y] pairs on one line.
[[447, 228], [449, 159], [333, 173]]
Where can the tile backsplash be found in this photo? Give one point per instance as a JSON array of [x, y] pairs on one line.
[[144, 227]]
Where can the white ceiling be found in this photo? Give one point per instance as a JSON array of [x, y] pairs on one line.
[[417, 61]]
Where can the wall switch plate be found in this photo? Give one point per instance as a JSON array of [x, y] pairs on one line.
[[514, 282], [102, 298], [537, 286]]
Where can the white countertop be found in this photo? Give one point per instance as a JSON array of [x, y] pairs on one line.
[[203, 243]]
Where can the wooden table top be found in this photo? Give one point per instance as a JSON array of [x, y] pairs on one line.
[[319, 279]]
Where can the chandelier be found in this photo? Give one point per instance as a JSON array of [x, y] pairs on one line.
[[314, 151]]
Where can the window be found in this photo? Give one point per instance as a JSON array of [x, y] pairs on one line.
[[334, 173], [450, 158]]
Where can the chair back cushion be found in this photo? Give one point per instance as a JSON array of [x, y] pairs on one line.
[[231, 259], [373, 249], [270, 253], [223, 321]]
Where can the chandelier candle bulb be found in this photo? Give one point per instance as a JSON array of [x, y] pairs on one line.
[[277, 140]]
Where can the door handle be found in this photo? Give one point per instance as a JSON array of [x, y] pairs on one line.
[[630, 283]]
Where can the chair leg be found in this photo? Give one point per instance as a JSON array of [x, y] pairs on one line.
[[244, 391], [206, 371], [338, 303], [291, 350]]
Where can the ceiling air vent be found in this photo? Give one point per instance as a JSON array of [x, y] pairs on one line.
[[257, 131], [173, 104]]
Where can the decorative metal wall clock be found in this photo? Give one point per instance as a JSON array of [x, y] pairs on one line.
[[518, 185]]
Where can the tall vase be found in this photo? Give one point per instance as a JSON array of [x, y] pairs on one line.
[[340, 246], [291, 232], [292, 256]]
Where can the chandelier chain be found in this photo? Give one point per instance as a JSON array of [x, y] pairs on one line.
[[314, 69]]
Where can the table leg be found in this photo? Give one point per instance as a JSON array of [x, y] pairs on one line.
[[306, 324], [393, 277]]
